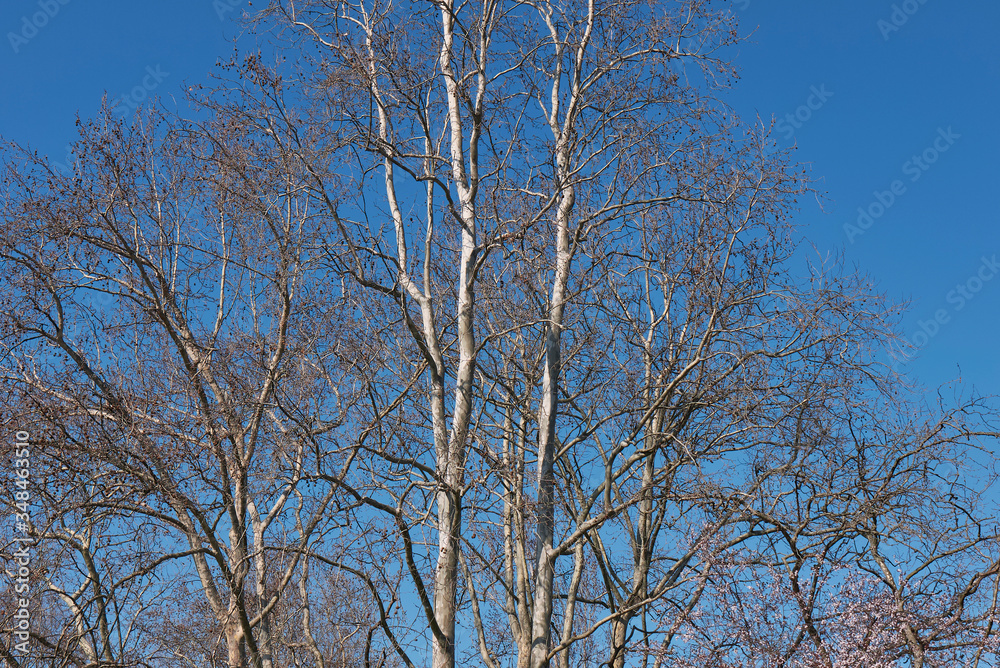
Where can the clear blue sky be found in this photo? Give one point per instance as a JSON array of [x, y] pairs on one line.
[[882, 94], [895, 92]]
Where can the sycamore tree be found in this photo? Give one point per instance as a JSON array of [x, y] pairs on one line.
[[473, 334], [169, 347]]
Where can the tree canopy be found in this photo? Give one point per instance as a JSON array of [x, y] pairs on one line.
[[472, 334]]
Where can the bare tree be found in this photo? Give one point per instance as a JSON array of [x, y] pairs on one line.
[[874, 551], [191, 402], [491, 318]]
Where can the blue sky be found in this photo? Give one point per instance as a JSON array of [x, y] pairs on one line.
[[899, 79], [903, 125]]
